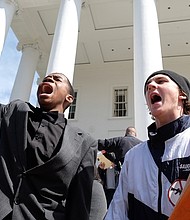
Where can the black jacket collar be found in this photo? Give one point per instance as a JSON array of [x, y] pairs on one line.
[[169, 130]]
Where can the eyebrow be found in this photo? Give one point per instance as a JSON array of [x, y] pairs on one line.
[[55, 75], [156, 78]]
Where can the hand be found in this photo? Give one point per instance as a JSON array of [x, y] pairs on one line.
[[112, 165], [103, 151], [102, 165]]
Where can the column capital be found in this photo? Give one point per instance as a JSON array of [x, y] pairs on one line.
[[21, 46], [83, 3], [34, 45], [15, 2]]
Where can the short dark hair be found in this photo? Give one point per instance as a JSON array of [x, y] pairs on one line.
[[71, 90], [186, 107], [130, 131]]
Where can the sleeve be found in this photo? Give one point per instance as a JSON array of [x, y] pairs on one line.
[[109, 145], [78, 201], [119, 204], [3, 110]]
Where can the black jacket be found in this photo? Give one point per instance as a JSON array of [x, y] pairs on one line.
[[58, 189], [118, 145]]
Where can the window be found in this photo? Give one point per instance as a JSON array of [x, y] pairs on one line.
[[120, 105], [72, 109]]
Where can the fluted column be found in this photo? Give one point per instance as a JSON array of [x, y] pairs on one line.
[[147, 57], [25, 75], [7, 11]]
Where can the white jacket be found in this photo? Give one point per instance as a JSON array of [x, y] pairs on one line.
[[144, 188]]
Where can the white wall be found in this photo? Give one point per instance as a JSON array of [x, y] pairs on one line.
[[179, 65], [94, 101]]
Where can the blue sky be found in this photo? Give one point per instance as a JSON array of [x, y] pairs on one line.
[[9, 63]]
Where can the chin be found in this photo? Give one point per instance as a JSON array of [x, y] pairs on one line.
[[156, 114]]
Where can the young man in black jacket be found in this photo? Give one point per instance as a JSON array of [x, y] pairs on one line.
[[46, 165]]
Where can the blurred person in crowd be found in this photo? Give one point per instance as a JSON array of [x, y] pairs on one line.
[[119, 145]]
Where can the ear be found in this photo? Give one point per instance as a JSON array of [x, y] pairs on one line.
[[69, 98], [182, 97]]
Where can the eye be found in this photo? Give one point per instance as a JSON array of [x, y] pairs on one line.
[[58, 79], [147, 86], [161, 81], [146, 89], [45, 80]]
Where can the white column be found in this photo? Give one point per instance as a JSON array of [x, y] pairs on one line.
[[25, 75], [147, 58], [7, 11], [63, 51]]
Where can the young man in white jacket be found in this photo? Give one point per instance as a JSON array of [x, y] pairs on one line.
[[154, 172]]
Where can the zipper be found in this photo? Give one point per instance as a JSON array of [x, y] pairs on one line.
[[160, 192]]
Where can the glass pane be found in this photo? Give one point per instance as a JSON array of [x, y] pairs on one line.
[[72, 108], [120, 103]]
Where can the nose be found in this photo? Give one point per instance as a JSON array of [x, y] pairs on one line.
[[151, 85], [49, 79]]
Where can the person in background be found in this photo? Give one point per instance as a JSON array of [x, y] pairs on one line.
[[119, 145], [155, 172], [115, 149], [109, 177], [46, 165]]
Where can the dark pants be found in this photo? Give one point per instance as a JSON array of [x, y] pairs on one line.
[[109, 195]]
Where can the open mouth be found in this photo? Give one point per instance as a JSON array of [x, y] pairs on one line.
[[155, 98], [47, 89]]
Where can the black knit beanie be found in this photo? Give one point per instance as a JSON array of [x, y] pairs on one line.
[[181, 81]]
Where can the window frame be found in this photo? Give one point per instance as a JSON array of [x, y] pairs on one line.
[[73, 105], [126, 102]]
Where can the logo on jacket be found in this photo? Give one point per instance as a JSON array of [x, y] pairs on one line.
[[175, 191], [184, 167]]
